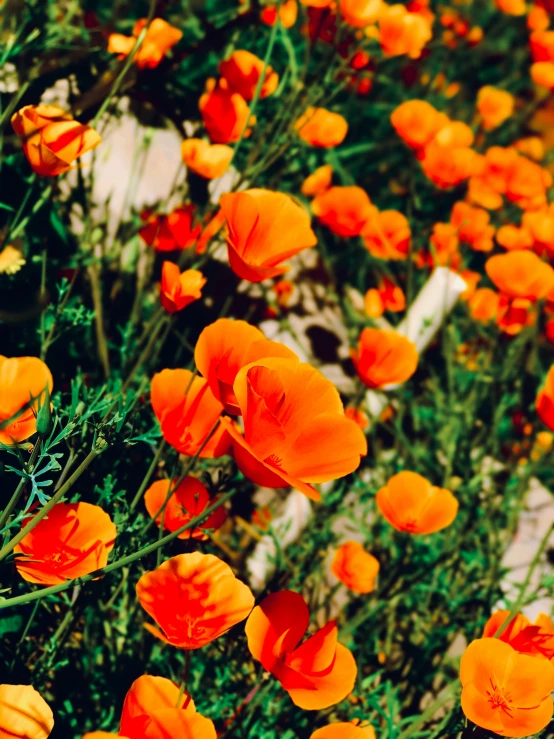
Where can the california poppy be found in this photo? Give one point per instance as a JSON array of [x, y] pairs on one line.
[[417, 123], [494, 106], [388, 296], [179, 289], [473, 226], [160, 38], [319, 181], [411, 504], [402, 32], [521, 634], [75, 539], [295, 430], [545, 400], [170, 232], [384, 357], [521, 274], [24, 714], [505, 691], [225, 113], [527, 184], [207, 160], [341, 730], [344, 210], [225, 347], [287, 13], [514, 314], [542, 74], [359, 13], [357, 415], [448, 165], [194, 599], [25, 385], [387, 235], [264, 228], [539, 226], [52, 140], [243, 70], [317, 673], [483, 304], [355, 568], [321, 127]]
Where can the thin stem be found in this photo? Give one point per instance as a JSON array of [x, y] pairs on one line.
[[19, 489]]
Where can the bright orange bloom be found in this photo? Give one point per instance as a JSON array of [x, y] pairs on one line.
[[75, 539], [514, 314], [537, 18], [545, 400], [542, 46], [521, 274], [187, 411], [25, 385], [512, 237], [52, 140], [207, 160], [448, 165], [355, 568], [344, 210], [402, 32], [527, 184], [417, 123], [317, 673], [24, 714], [318, 182], [359, 13], [444, 244], [321, 127], [511, 7], [344, 731], [530, 146], [242, 71], [170, 232], [224, 348], [481, 192], [295, 430], [473, 225], [264, 228], [287, 13], [387, 235], [179, 289], [225, 113], [471, 279], [542, 74], [411, 504], [358, 416], [384, 357], [539, 225], [373, 303], [160, 38], [387, 296], [494, 106], [522, 635], [505, 691], [483, 304], [194, 599], [187, 501]]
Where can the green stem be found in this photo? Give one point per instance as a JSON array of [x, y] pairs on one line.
[[19, 489], [148, 475], [429, 711]]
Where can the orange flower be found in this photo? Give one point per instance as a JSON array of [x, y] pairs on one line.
[[373, 303], [25, 385], [471, 279], [179, 289], [194, 598], [358, 416], [540, 226], [411, 504], [103, 735], [344, 731], [316, 674], [542, 46], [355, 568], [494, 106], [387, 235], [243, 70], [537, 19], [530, 146], [207, 160], [24, 714], [521, 274], [359, 13], [210, 231], [160, 38], [384, 357], [52, 140], [444, 244], [522, 635], [402, 32], [504, 691], [287, 14], [295, 430], [187, 501], [224, 348], [527, 183], [545, 400], [321, 127], [344, 210], [483, 304], [264, 228], [511, 7], [542, 74], [187, 411], [170, 232], [225, 113], [514, 314], [75, 539], [389, 297], [448, 165], [283, 292], [512, 237], [473, 225], [417, 123], [318, 182]]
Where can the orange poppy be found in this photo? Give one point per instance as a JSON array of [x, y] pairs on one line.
[[539, 225], [483, 304], [344, 731], [316, 674], [224, 348], [295, 430], [384, 357], [512, 237], [287, 14], [373, 303], [473, 225], [207, 160], [505, 691], [188, 500], [283, 290], [179, 289], [318, 182], [344, 210], [194, 599], [52, 140], [264, 228], [355, 568], [160, 38], [387, 296], [359, 13], [538, 18], [521, 634], [387, 235], [402, 32], [225, 113], [243, 70], [74, 539], [542, 46], [521, 274], [322, 128], [527, 183], [530, 146], [358, 416], [514, 314], [545, 400], [511, 7], [187, 411], [24, 714], [448, 165], [471, 279], [494, 106], [411, 504], [210, 231], [103, 735], [25, 385], [417, 123], [316, 3], [542, 74], [170, 232]]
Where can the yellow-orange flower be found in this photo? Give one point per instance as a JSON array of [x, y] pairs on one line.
[[11, 260], [207, 160], [355, 568], [318, 182], [384, 357], [359, 13], [402, 32], [417, 123], [387, 234], [344, 731], [344, 210], [159, 39], [321, 127], [521, 274], [24, 714], [25, 384], [494, 106]]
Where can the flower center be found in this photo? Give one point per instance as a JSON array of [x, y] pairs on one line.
[[498, 699]]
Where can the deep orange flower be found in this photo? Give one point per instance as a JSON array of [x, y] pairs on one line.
[[473, 226], [264, 228], [225, 113], [527, 184], [170, 232], [287, 14], [318, 182], [207, 160], [537, 18], [542, 46], [344, 210], [317, 673], [387, 296], [179, 289], [417, 123], [24, 714], [545, 400], [384, 357], [494, 106], [210, 231], [411, 504], [75, 539], [355, 568], [52, 140], [344, 731], [402, 32], [160, 38], [188, 500], [194, 599], [25, 384], [295, 430], [514, 314], [387, 235], [521, 274], [242, 71], [448, 166], [321, 127], [522, 635], [224, 348], [283, 290], [483, 304], [187, 411], [505, 691], [359, 13], [542, 74]]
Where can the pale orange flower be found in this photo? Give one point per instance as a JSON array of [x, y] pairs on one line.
[[355, 568], [287, 14], [521, 274], [242, 71], [24, 714], [417, 123], [160, 38], [494, 106], [318, 182], [207, 160], [344, 210], [384, 357], [322, 128], [402, 32], [179, 289], [25, 385], [359, 13], [225, 113], [521, 634], [387, 235]]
